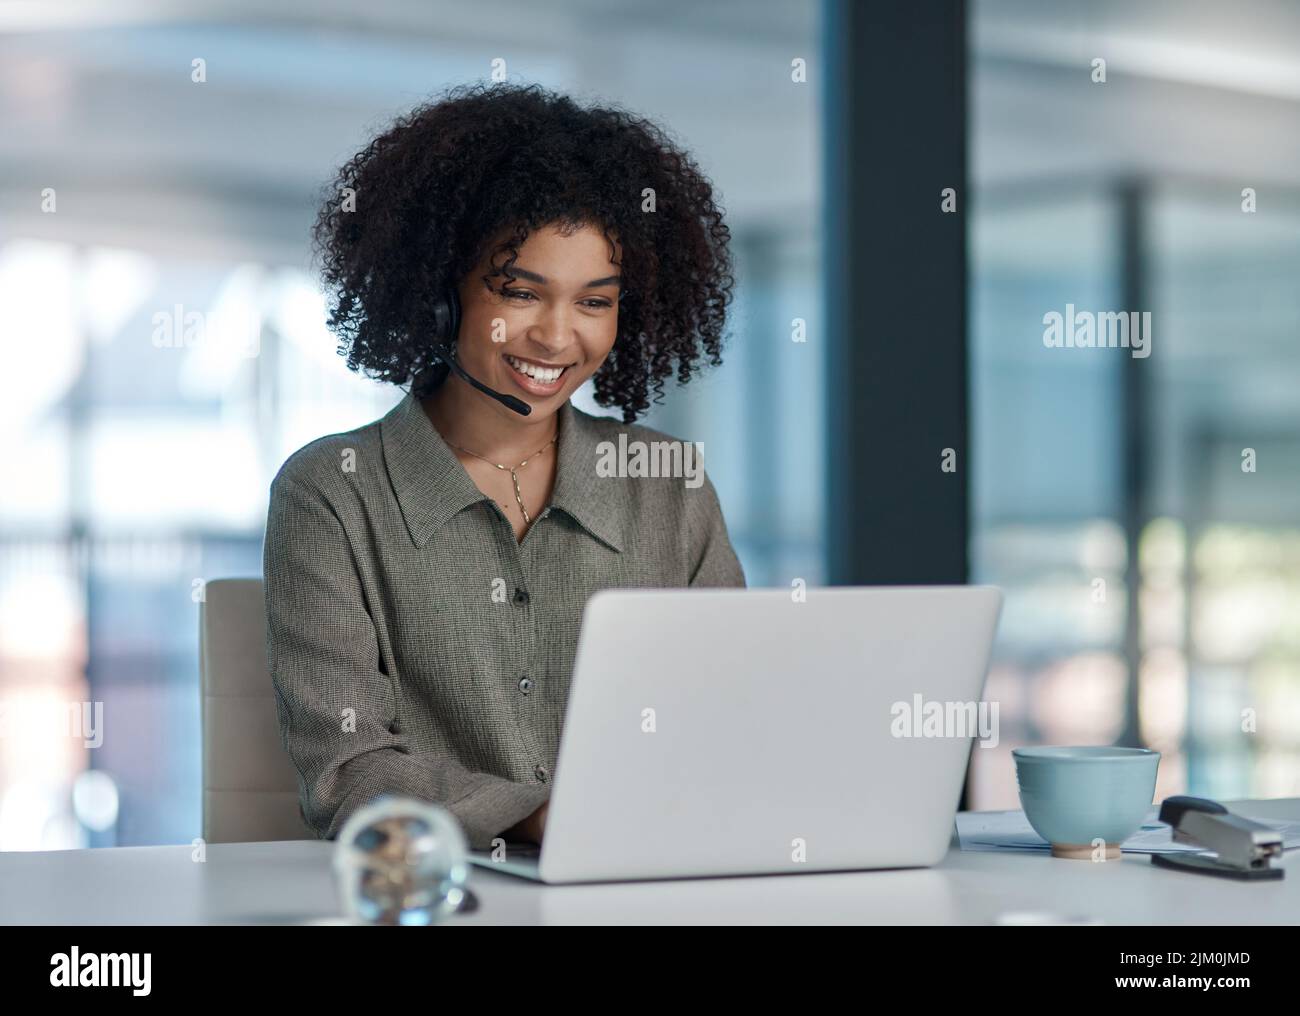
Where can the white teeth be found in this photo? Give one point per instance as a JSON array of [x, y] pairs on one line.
[[542, 375]]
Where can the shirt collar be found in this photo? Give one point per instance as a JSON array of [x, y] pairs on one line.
[[432, 486]]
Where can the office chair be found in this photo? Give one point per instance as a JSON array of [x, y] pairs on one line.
[[250, 788]]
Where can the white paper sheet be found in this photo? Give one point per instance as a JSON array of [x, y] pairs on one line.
[[1010, 830]]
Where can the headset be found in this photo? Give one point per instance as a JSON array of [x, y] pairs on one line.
[[446, 329]]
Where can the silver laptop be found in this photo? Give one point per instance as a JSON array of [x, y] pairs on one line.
[[745, 732]]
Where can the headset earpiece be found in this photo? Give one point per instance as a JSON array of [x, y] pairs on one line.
[[446, 327], [446, 318]]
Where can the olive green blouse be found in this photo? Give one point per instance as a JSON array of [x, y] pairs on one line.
[[417, 647]]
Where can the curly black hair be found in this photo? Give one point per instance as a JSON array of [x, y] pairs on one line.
[[481, 159]]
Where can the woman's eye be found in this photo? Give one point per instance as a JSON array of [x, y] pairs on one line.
[[523, 295]]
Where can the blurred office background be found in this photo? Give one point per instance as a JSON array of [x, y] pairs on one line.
[[1153, 586], [136, 470]]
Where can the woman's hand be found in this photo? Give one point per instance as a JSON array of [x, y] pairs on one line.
[[530, 829], [538, 819]]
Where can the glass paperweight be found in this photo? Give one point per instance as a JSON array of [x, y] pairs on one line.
[[401, 861]]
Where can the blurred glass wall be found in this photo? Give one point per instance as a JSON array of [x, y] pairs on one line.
[[1142, 513], [163, 336]]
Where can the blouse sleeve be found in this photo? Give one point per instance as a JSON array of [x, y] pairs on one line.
[[714, 562], [336, 705]]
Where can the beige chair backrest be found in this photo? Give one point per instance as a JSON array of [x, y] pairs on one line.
[[250, 788]]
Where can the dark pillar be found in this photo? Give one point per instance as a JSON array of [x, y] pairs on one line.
[[895, 107]]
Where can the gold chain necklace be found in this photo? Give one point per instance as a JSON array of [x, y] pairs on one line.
[[519, 497]]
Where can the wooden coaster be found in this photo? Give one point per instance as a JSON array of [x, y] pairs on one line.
[[1083, 851]]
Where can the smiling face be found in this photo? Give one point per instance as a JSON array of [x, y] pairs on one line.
[[540, 336]]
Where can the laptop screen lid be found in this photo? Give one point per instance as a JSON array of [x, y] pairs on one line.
[[744, 731]]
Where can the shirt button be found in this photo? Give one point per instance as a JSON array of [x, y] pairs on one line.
[[525, 684], [540, 773], [521, 597]]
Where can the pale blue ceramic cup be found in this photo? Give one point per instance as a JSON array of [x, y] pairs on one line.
[[1075, 796]]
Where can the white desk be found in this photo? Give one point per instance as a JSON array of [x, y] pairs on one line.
[[291, 882]]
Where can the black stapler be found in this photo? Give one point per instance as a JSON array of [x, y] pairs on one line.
[[1244, 849]]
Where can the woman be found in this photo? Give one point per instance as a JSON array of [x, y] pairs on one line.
[[426, 573]]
